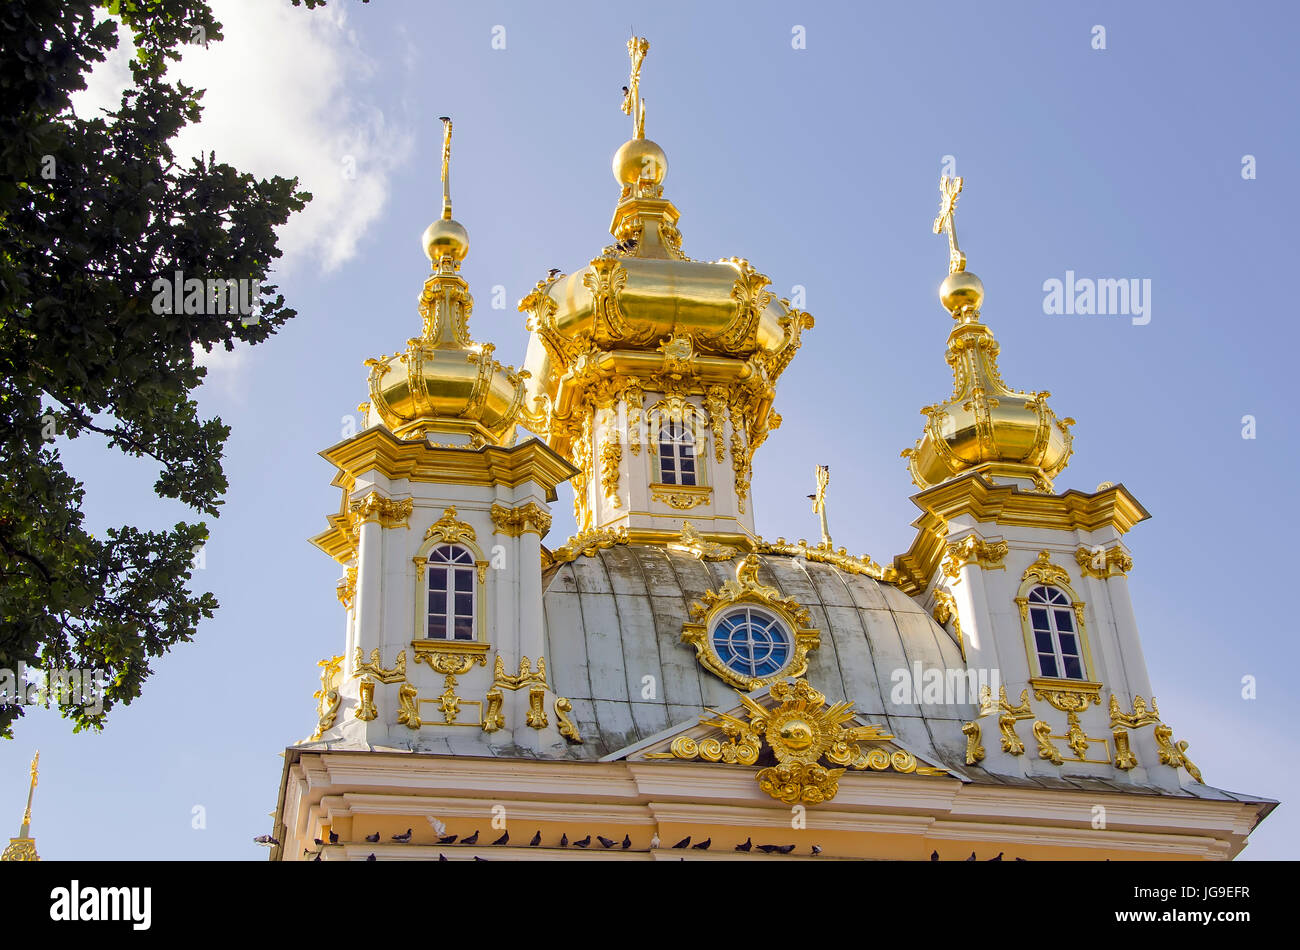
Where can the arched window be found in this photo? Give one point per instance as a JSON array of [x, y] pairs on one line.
[[451, 593], [1056, 641], [676, 453]]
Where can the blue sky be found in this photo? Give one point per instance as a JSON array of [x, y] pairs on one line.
[[820, 166]]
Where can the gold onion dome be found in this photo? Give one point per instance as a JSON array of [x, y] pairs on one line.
[[643, 310], [445, 382], [986, 426]]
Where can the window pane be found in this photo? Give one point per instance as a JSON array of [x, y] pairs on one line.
[[437, 577], [1038, 617], [1068, 645], [464, 628], [465, 605], [1043, 640], [1073, 668], [1058, 596], [1047, 664], [688, 478], [464, 580], [437, 602], [1038, 595], [1063, 620], [437, 626]]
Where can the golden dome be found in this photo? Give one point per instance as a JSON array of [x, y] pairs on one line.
[[445, 382], [986, 426], [643, 310]]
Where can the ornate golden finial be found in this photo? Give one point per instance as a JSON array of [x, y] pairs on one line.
[[23, 848], [446, 166], [819, 501], [633, 104], [950, 188]]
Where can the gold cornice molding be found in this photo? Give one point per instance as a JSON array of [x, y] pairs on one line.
[[377, 449], [973, 496]]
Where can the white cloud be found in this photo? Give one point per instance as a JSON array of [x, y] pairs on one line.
[[285, 95]]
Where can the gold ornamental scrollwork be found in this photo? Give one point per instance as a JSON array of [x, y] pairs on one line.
[[1045, 572], [587, 543], [1010, 716], [989, 555], [945, 610], [1043, 734], [536, 716], [347, 588], [1124, 757], [1103, 563], [1174, 754], [385, 511], [568, 728], [974, 750], [494, 719], [682, 497], [812, 746], [746, 589], [513, 522], [366, 709], [408, 706], [375, 668], [525, 677], [327, 697], [1139, 717], [1070, 697], [694, 544], [450, 529]]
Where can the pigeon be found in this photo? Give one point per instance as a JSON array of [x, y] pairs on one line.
[[776, 848], [444, 118], [553, 273], [439, 828], [749, 843], [404, 838], [998, 858], [816, 850], [654, 842], [373, 838], [606, 843], [472, 839], [1022, 859], [317, 858], [564, 840], [684, 843], [266, 840], [583, 843], [504, 839], [370, 856], [934, 855], [972, 856], [318, 842], [334, 839], [449, 839], [625, 90], [703, 845], [441, 856], [477, 858], [537, 839], [627, 842]]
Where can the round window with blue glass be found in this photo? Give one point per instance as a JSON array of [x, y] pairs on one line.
[[751, 642]]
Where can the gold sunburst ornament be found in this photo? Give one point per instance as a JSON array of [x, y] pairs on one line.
[[801, 732]]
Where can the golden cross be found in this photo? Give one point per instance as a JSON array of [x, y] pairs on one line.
[[819, 501], [446, 166], [633, 104], [950, 188]]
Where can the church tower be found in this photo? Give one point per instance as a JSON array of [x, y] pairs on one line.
[[668, 684]]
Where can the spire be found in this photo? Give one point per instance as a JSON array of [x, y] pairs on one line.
[[445, 382], [645, 223], [986, 426], [23, 848]]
